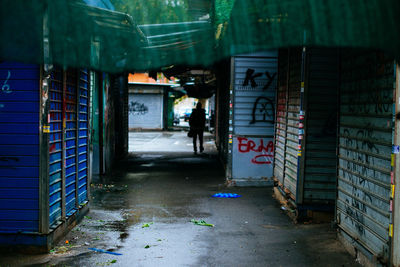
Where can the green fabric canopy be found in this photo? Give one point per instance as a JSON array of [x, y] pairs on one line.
[[151, 34]]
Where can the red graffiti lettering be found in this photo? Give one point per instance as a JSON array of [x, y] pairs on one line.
[[262, 159], [245, 146]]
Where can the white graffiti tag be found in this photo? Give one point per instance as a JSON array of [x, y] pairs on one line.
[[6, 87]]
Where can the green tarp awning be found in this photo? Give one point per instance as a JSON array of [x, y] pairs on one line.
[[149, 34]]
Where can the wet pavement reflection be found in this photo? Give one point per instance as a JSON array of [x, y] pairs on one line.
[[143, 211]]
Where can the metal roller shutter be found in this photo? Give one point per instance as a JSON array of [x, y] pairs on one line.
[[70, 141], [83, 136], [55, 145], [365, 149], [19, 147], [321, 102], [293, 113], [281, 116], [254, 92], [145, 111]]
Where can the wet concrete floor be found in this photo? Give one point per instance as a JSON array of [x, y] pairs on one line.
[[165, 191]]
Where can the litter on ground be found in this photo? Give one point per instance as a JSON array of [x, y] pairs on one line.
[[147, 224], [105, 251], [202, 222], [226, 195]]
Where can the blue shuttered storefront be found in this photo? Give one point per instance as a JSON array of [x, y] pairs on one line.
[[19, 147], [35, 198], [83, 141], [55, 145], [70, 141]]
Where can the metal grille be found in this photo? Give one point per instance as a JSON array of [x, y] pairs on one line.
[[70, 110], [83, 136], [365, 149], [55, 145]]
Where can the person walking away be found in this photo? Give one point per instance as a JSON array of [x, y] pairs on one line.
[[197, 123]]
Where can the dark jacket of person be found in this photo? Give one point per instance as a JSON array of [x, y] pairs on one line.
[[197, 120]]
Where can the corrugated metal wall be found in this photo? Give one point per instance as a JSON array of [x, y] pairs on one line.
[[321, 103], [55, 145], [281, 115], [68, 142], [306, 127], [19, 147], [83, 136], [70, 139], [21, 169], [293, 113], [365, 149]]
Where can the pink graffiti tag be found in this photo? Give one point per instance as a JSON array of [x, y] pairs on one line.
[[267, 151]]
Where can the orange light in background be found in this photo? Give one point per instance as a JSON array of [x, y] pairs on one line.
[[144, 78]]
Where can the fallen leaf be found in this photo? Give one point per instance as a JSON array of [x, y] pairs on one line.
[[147, 224], [202, 222]]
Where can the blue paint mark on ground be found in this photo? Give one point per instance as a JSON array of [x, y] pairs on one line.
[[226, 195]]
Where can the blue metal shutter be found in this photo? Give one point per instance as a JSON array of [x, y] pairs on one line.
[[70, 110], [83, 136], [19, 147], [55, 145]]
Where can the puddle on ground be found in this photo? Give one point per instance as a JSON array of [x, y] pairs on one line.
[[147, 164], [136, 176], [150, 156]]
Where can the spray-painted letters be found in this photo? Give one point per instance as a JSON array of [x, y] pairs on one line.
[[251, 75], [264, 153], [5, 88], [137, 108]]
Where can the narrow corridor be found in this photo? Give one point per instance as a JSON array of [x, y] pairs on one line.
[[165, 191]]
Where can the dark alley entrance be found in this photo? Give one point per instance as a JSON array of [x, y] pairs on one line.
[[143, 211]]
